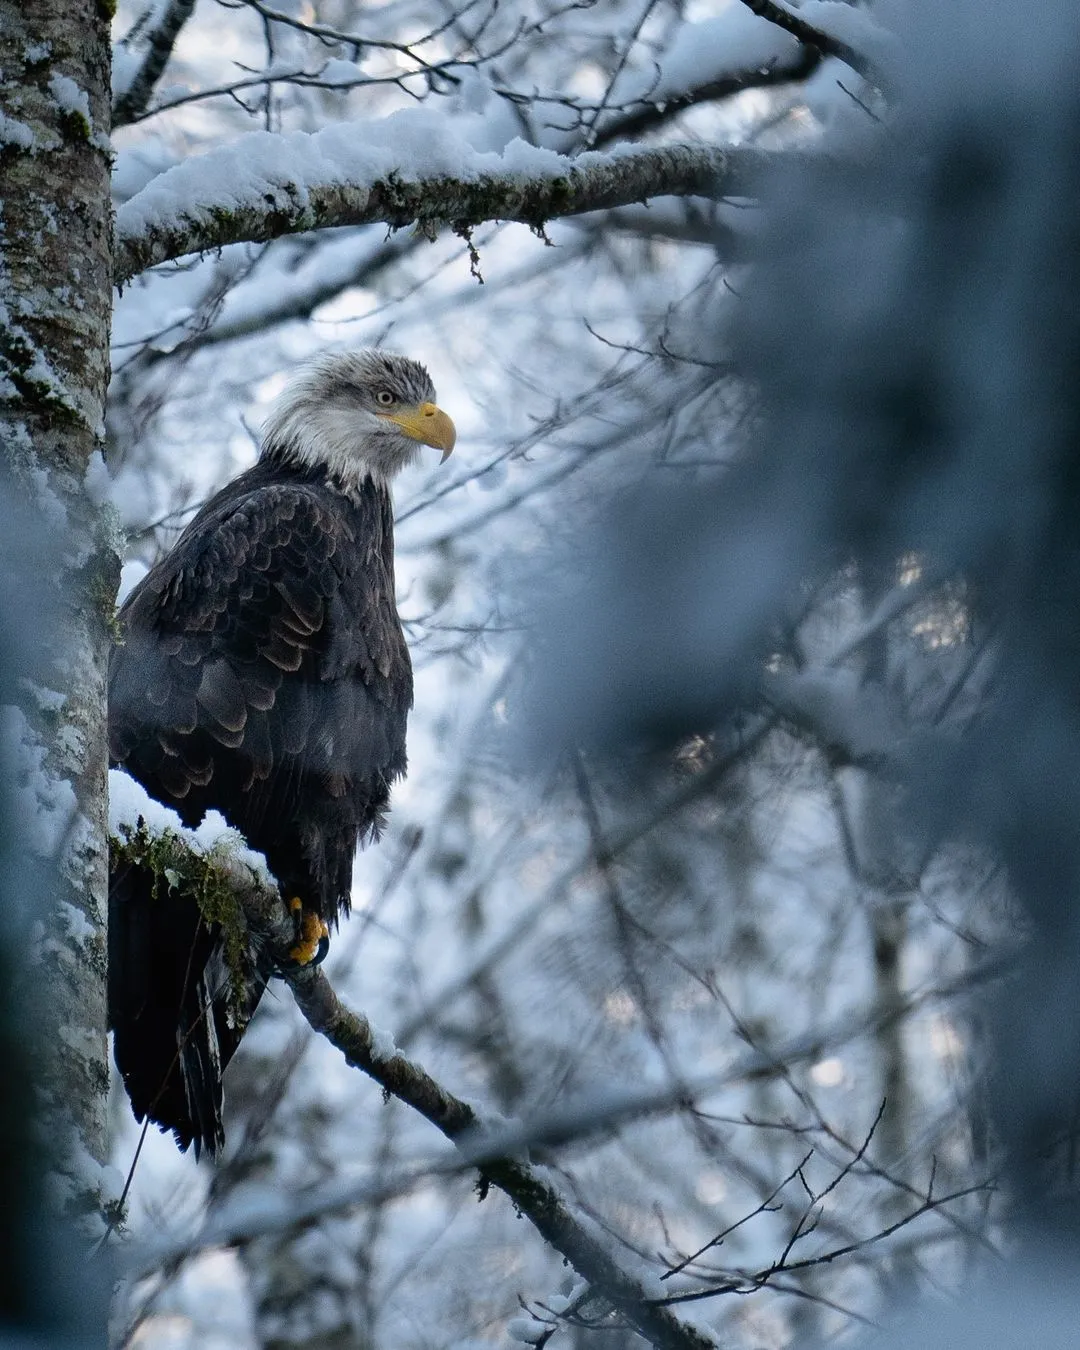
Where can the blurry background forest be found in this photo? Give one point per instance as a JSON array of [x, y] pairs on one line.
[[744, 626]]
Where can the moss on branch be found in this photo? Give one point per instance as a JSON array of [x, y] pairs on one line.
[[229, 893]]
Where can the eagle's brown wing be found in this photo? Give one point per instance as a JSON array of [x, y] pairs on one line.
[[263, 661], [262, 673]]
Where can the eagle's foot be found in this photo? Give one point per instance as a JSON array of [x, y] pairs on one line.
[[312, 936]]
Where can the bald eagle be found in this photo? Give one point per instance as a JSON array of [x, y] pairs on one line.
[[262, 672]]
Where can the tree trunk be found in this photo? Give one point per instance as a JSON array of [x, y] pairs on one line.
[[55, 300]]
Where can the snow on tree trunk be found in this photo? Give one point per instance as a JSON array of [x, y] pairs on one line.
[[55, 299]]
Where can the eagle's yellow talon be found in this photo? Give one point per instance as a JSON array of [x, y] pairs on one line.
[[313, 934], [296, 904]]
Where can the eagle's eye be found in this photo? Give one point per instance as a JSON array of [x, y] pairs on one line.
[[385, 397]]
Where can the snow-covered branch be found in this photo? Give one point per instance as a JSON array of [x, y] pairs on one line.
[[408, 169]]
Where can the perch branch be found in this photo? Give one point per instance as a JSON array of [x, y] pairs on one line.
[[527, 1188]]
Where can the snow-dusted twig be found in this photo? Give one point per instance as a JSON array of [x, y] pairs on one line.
[[812, 36], [287, 186], [640, 118], [134, 98], [332, 36]]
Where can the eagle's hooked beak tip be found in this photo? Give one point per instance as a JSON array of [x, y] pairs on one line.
[[440, 429], [429, 425]]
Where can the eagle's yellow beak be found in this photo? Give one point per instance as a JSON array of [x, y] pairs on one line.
[[427, 424]]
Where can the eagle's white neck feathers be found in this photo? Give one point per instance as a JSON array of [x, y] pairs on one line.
[[327, 417], [326, 437]]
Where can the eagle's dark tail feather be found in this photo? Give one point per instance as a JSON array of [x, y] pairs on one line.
[[174, 1025]]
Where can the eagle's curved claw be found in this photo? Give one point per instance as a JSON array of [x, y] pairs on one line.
[[312, 938]]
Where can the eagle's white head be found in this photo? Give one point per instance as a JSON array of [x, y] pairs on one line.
[[362, 414]]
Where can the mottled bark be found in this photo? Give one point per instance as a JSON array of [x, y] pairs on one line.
[[55, 299]]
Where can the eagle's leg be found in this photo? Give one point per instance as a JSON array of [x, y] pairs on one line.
[[312, 935]]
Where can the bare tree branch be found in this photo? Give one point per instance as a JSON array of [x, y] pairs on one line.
[[532, 1194], [744, 1282], [646, 116], [331, 36]]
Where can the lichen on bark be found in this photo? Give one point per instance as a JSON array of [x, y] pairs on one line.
[[55, 297]]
